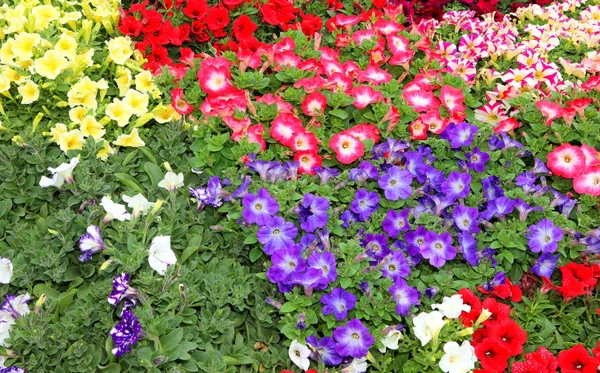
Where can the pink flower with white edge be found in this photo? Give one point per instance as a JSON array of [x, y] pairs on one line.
[[588, 182], [347, 148], [591, 156], [179, 104], [422, 101], [215, 80], [452, 99], [314, 104], [364, 131], [550, 110], [303, 140], [365, 95], [567, 161], [398, 44], [283, 128]]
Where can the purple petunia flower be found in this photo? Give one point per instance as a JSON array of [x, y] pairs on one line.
[[526, 180], [278, 173], [310, 278], [396, 183], [498, 207], [495, 143], [348, 217], [366, 170], [126, 333], [312, 212], [413, 162], [338, 302], [491, 188], [438, 248], [291, 170], [365, 203], [353, 339], [90, 243], [499, 279], [545, 265], [12, 369], [544, 237], [121, 289], [539, 167], [457, 185], [396, 222], [465, 218], [415, 240], [460, 134], [287, 262], [564, 203], [324, 238], [324, 261], [259, 208], [210, 195], [262, 167], [326, 173], [524, 208], [325, 349], [395, 266], [431, 292], [276, 234], [477, 159], [240, 191], [376, 246], [468, 247], [405, 297]]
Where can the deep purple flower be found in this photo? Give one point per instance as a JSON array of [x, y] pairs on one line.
[[544, 237], [262, 167], [477, 159], [564, 203], [366, 170], [90, 243], [126, 333], [396, 222], [259, 208], [324, 261], [240, 191], [457, 185], [405, 297], [276, 234], [309, 278], [353, 339], [376, 246], [210, 195], [301, 321], [491, 188], [348, 217], [338, 302], [12, 369], [121, 289], [509, 142], [413, 162], [431, 292], [540, 167], [499, 279], [498, 207], [434, 178], [326, 173], [495, 143], [365, 288], [468, 247], [287, 262], [365, 203], [415, 240], [426, 204], [460, 134], [308, 240], [438, 248], [545, 265], [396, 183], [324, 238], [465, 218], [441, 202], [312, 212], [525, 209], [326, 350], [395, 266]]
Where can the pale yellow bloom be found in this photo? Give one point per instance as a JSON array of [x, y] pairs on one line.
[[43, 15], [14, 76], [105, 151], [6, 54], [29, 91], [123, 79], [57, 131], [144, 82], [66, 46], [15, 17], [4, 83], [71, 140], [24, 44], [77, 114], [91, 127], [83, 60], [83, 93], [137, 101], [119, 49], [51, 64], [70, 16], [133, 139], [119, 111], [165, 114]]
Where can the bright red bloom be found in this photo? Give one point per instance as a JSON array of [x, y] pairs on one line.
[[499, 311], [591, 156], [567, 161], [130, 26], [505, 291], [577, 360], [510, 335], [470, 299], [544, 358], [195, 9], [579, 104], [347, 148], [310, 24], [529, 366], [217, 19], [243, 27], [452, 99], [283, 128], [492, 354], [307, 161], [551, 110], [577, 279]]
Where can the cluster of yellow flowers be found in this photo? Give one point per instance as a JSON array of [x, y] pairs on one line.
[[48, 58]]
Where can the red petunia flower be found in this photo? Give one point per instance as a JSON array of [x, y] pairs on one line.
[[577, 360], [307, 161], [217, 19], [243, 27], [418, 130], [304, 140], [510, 335], [551, 110], [499, 310], [492, 354], [195, 9], [528, 366], [314, 104], [283, 128], [544, 358], [364, 131], [470, 299], [421, 101], [577, 279]]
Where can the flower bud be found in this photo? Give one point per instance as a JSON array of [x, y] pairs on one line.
[[485, 314], [39, 303]]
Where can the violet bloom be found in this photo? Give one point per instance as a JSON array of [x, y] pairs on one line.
[[324, 238], [278, 173], [460, 134], [365, 203], [12, 369], [465, 218], [405, 297], [491, 188], [396, 222], [499, 279], [121, 289], [324, 261], [434, 178], [348, 217], [395, 266], [431, 292], [438, 248], [310, 278], [291, 169], [441, 202], [259, 208], [376, 245], [457, 185], [262, 167], [468, 247], [276, 234], [564, 203], [210, 195], [413, 162], [312, 212], [495, 143], [396, 183], [477, 159], [526, 180], [90, 243], [498, 208], [415, 240], [539, 167], [338, 302], [524, 208], [240, 191], [287, 262], [544, 237], [353, 339], [126, 333], [545, 265], [325, 348], [366, 170], [326, 173]]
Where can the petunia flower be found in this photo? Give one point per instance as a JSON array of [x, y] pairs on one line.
[[545, 265], [458, 358], [90, 243], [396, 183], [276, 234], [438, 248], [353, 339], [171, 181], [325, 262], [477, 159], [325, 349], [14, 307], [138, 203], [286, 263], [396, 222], [338, 302], [60, 174], [160, 254], [405, 296], [544, 237], [121, 289], [356, 366], [114, 210], [299, 354], [312, 212], [393, 334], [460, 134], [365, 203], [452, 307], [588, 182], [6, 271], [126, 333], [259, 208], [427, 326], [465, 219], [457, 185], [395, 266], [567, 161]]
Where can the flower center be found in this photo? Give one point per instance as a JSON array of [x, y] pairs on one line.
[[392, 268], [568, 159], [439, 246], [345, 145], [258, 206], [420, 241], [393, 182], [548, 239], [466, 222], [276, 231], [474, 158], [355, 336]]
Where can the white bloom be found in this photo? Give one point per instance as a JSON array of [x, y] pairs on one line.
[[427, 326], [356, 366], [60, 174], [452, 307], [458, 359], [391, 340], [138, 203], [5, 326], [114, 210], [161, 255], [2, 359], [171, 181], [6, 270], [299, 354], [17, 308]]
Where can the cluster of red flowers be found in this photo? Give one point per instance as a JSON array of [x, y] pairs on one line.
[[577, 279], [580, 163]]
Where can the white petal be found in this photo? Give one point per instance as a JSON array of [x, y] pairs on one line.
[[161, 255], [56, 181], [299, 353], [6, 271]]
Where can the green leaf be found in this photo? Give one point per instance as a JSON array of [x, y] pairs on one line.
[[342, 114], [40, 289], [111, 368], [250, 240], [130, 182], [288, 307], [148, 154], [5, 206], [154, 172], [172, 339], [255, 254], [129, 157]]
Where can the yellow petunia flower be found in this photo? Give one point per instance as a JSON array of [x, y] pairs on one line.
[[83, 93], [91, 127], [29, 91], [66, 46], [123, 79], [165, 114], [4, 83], [6, 54], [43, 15], [77, 114], [57, 131], [15, 17], [105, 151], [23, 45], [51, 65], [71, 140], [119, 111], [119, 49], [70, 16], [132, 140], [137, 101], [144, 82]]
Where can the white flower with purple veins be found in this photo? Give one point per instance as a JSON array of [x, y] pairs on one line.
[[90, 243], [139, 204], [60, 174], [6, 271], [114, 210], [14, 307], [171, 181], [452, 307], [299, 354], [161, 255]]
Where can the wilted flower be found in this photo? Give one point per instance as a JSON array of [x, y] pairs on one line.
[[393, 334]]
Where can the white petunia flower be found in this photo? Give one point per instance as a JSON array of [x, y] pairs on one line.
[[60, 174], [6, 271], [161, 255], [138, 203], [427, 326], [391, 340], [452, 307], [171, 181], [356, 366], [299, 354], [458, 359], [114, 210], [5, 326]]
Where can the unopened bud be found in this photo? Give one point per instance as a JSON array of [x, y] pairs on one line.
[[485, 314], [106, 264], [39, 303]]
